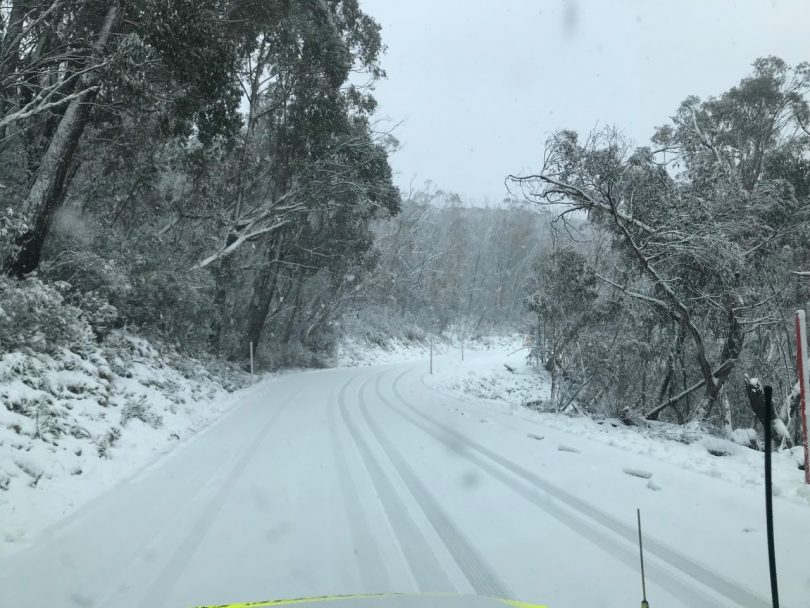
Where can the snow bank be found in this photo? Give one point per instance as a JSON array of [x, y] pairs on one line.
[[73, 424], [500, 374], [363, 352], [354, 352]]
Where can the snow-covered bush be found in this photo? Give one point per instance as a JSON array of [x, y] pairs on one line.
[[145, 285], [98, 312], [35, 316], [173, 302], [138, 408], [376, 326], [107, 440], [11, 225], [95, 283], [294, 355]]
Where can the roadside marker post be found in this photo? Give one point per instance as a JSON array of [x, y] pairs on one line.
[[804, 383], [251, 359]]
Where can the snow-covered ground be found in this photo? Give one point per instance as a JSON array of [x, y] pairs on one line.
[[353, 352], [369, 479], [360, 353], [72, 425], [483, 377]]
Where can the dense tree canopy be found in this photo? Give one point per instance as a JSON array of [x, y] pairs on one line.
[[191, 165]]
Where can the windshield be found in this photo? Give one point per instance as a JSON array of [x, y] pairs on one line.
[[387, 304]]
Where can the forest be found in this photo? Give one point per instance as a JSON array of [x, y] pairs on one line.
[[211, 176]]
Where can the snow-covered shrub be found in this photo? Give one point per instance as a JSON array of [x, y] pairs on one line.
[[293, 355], [11, 225], [376, 326], [170, 303], [107, 440], [209, 369], [145, 285], [140, 410], [124, 350], [35, 316], [83, 268], [98, 312], [94, 282]]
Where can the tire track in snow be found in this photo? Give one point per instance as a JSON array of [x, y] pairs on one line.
[[475, 569], [545, 502], [179, 560], [425, 567], [482, 457], [178, 514], [373, 573]]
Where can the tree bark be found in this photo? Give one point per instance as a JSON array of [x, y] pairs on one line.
[[223, 278], [264, 288], [288, 330], [728, 429], [668, 385], [10, 52], [48, 188], [732, 347]]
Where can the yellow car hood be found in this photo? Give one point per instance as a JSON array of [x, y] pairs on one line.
[[390, 600]]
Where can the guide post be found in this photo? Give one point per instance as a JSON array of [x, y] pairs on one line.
[[804, 384]]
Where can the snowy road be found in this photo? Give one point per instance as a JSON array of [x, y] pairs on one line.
[[366, 480]]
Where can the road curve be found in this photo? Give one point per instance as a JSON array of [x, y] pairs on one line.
[[353, 481]]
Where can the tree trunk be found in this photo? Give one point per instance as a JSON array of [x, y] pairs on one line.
[[49, 185], [732, 347], [224, 276], [644, 386], [668, 385], [561, 342], [10, 49], [264, 288], [728, 429], [10, 53], [288, 330], [226, 268]]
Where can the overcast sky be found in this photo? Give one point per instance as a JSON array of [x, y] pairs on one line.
[[478, 84]]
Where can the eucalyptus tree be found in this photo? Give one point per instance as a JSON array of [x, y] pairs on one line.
[[65, 66], [699, 219]]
